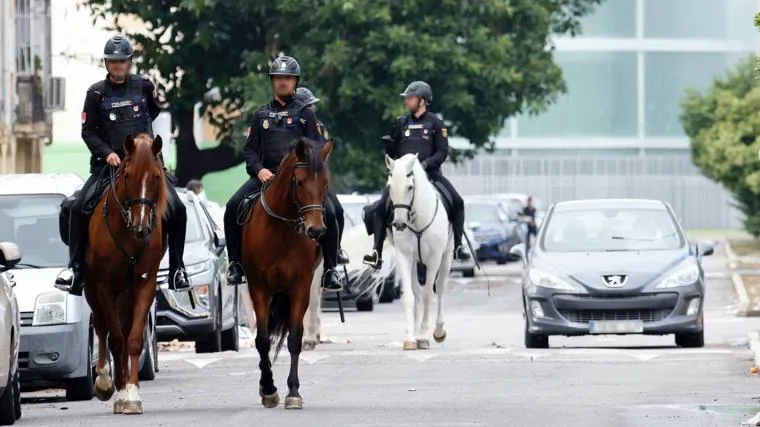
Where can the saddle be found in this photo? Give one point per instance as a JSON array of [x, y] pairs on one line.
[[368, 212], [245, 208], [91, 198]]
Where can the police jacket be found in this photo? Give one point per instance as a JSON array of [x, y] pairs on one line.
[[114, 110], [425, 135], [273, 128]]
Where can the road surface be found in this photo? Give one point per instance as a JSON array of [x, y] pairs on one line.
[[481, 376]]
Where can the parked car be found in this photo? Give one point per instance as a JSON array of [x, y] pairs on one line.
[[208, 313], [58, 345], [492, 230], [10, 326], [613, 266], [467, 268]]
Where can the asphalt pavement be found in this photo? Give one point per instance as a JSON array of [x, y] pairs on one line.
[[481, 376]]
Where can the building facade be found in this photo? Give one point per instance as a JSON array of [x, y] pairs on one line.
[[616, 132]]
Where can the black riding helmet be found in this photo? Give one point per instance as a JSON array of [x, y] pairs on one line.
[[421, 89], [284, 66], [117, 48], [306, 96]]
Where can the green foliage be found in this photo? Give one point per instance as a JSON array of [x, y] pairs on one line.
[[722, 125]]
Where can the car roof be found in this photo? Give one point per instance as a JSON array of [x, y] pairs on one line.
[[354, 198], [40, 183], [576, 205]]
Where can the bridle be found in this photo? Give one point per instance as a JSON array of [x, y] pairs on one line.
[[125, 213], [298, 222], [411, 214]]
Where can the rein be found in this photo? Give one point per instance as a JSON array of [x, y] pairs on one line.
[[411, 214], [298, 222]]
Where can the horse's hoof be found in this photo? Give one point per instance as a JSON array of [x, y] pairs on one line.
[[440, 339], [309, 345], [132, 408], [103, 395], [410, 345], [270, 401], [423, 344], [293, 402], [118, 406]]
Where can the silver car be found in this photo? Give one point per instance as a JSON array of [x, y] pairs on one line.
[[10, 389], [208, 314]]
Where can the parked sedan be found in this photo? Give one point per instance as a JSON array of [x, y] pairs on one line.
[[613, 266], [10, 324], [58, 345], [494, 233], [208, 313]]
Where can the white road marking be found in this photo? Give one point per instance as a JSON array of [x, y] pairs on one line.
[[311, 358], [200, 363], [421, 356]]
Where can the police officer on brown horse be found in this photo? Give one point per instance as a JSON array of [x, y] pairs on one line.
[[421, 132], [120, 105], [274, 126]]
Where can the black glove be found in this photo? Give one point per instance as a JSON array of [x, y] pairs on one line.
[[424, 164]]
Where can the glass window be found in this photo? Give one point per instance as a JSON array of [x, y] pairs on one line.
[[482, 212], [31, 221], [667, 76], [705, 19], [613, 18], [611, 230], [194, 232], [600, 99]]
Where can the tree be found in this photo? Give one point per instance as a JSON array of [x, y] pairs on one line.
[[722, 124], [486, 61]]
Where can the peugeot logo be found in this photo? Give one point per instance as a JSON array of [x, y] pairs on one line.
[[614, 280]]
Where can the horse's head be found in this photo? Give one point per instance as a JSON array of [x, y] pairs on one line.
[[143, 193], [309, 183], [401, 183]]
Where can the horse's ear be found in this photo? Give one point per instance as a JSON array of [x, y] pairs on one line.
[[326, 150], [389, 162], [300, 148], [129, 144], [157, 145]]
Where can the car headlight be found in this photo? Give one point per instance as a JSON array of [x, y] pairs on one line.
[[50, 309], [684, 277], [201, 295], [546, 280], [198, 268]]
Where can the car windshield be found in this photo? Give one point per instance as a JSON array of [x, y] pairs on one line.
[[353, 210], [31, 222], [194, 232], [611, 230], [481, 212]]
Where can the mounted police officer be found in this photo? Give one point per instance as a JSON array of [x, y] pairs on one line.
[[120, 105], [273, 128], [307, 97], [423, 133]]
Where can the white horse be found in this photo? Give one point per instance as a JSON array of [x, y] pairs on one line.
[[355, 243], [422, 234]]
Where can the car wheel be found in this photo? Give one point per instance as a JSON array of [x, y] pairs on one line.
[[17, 394], [148, 370], [503, 260], [78, 389], [212, 342], [470, 272], [365, 303], [534, 340], [230, 339], [388, 292], [7, 402], [692, 340]]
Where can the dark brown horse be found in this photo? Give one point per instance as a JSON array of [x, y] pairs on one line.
[[280, 254], [126, 244]]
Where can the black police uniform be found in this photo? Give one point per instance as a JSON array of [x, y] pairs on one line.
[[428, 137], [331, 196], [112, 111], [273, 128]]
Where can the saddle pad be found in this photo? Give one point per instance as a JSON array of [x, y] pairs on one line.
[[245, 208], [95, 193], [446, 198]]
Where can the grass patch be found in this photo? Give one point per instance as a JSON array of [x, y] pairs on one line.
[[752, 285], [746, 247], [717, 234]]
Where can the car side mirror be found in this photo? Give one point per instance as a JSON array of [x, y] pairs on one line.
[[219, 240], [518, 250], [10, 255], [705, 249]]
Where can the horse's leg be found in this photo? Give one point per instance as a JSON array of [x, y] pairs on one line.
[[423, 339], [298, 303], [439, 334], [267, 390], [142, 299], [117, 346], [104, 388], [312, 326], [404, 271]]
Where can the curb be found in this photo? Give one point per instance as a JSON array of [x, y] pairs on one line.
[[741, 293], [730, 255], [754, 345]]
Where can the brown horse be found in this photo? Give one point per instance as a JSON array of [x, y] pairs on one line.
[[280, 254], [125, 246]]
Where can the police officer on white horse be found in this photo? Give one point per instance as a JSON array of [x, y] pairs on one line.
[[421, 132], [122, 104]]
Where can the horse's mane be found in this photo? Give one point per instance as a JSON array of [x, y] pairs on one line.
[[404, 163], [143, 160], [311, 155]]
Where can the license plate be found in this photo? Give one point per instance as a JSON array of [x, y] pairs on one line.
[[616, 326]]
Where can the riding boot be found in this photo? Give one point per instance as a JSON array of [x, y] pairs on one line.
[[330, 280], [178, 280], [71, 280], [375, 258], [457, 224], [233, 235]]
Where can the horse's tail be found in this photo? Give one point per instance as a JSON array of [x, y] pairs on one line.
[[279, 321]]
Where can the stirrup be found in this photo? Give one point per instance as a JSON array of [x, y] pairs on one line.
[[231, 274], [335, 287], [65, 282], [343, 257], [375, 261], [180, 274]]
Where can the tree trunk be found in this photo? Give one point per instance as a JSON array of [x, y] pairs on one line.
[[193, 163]]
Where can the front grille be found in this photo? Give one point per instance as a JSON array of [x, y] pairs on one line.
[[26, 318], [645, 315]]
